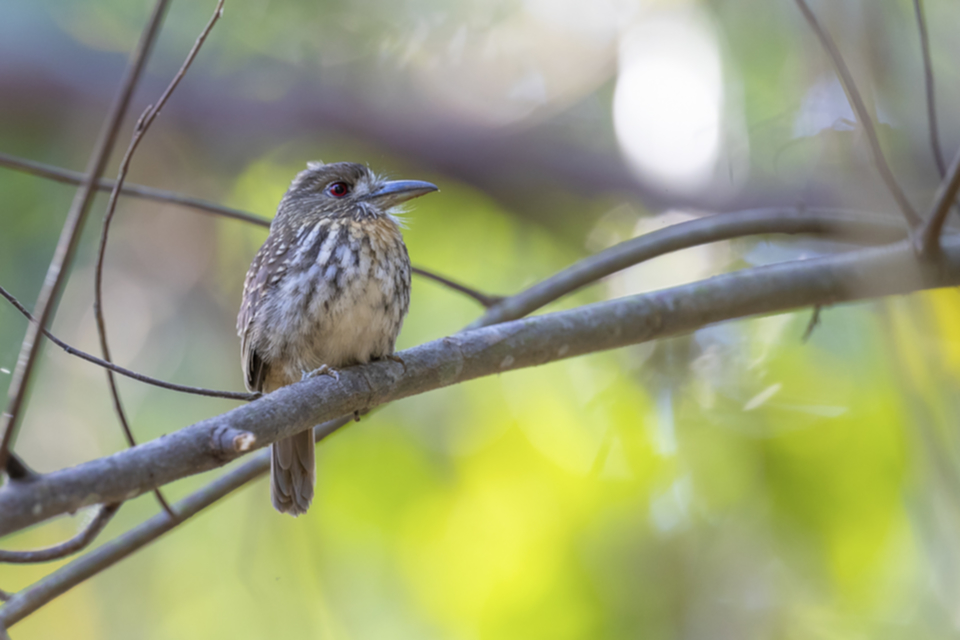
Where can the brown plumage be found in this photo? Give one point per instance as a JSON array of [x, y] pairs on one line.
[[330, 286]]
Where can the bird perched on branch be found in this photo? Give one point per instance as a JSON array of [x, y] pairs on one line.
[[329, 288]]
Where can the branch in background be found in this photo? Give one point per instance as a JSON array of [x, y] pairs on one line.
[[25, 602], [70, 234], [863, 117], [482, 298], [143, 124], [856, 275], [200, 391], [71, 546], [67, 176], [159, 195], [929, 235], [836, 224], [929, 85]]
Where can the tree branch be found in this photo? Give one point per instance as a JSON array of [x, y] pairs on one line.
[[856, 275], [70, 235], [929, 235], [486, 300], [71, 546], [929, 86], [837, 224], [133, 375], [863, 117], [66, 176], [25, 602], [143, 124]]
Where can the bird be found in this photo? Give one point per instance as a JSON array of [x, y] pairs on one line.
[[328, 289]]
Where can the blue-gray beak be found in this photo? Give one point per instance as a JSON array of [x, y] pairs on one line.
[[396, 191]]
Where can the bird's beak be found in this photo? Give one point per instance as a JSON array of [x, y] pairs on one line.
[[397, 191]]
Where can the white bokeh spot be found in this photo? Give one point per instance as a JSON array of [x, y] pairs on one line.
[[668, 103]]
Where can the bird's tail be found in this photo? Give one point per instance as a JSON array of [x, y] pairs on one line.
[[293, 473]]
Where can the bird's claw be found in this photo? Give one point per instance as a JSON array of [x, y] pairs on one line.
[[322, 370], [396, 358]]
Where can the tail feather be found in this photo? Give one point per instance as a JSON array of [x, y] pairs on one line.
[[293, 473]]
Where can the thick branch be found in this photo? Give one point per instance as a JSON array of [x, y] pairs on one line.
[[523, 343], [25, 602]]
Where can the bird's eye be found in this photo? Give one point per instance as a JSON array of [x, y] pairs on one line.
[[338, 189]]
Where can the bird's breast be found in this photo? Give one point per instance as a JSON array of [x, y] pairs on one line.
[[343, 297]]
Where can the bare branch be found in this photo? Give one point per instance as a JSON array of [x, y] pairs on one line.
[[856, 275], [837, 224], [144, 123], [863, 117], [70, 235], [66, 176], [71, 546], [159, 195], [929, 85], [200, 391], [929, 235], [35, 596]]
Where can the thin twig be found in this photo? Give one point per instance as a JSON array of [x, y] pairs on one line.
[[142, 125], [863, 117], [136, 190], [928, 83], [200, 391], [486, 300], [64, 549], [159, 195], [837, 224], [28, 600], [929, 236], [70, 234]]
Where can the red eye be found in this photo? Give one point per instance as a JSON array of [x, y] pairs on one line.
[[338, 189]]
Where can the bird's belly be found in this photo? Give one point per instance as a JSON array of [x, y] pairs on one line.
[[341, 325]]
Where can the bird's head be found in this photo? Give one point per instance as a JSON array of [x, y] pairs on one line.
[[344, 190]]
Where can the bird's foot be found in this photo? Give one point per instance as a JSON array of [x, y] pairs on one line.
[[322, 370], [396, 358]]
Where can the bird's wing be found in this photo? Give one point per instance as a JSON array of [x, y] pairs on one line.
[[254, 368]]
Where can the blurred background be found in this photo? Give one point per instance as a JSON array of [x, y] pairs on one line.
[[736, 483]]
